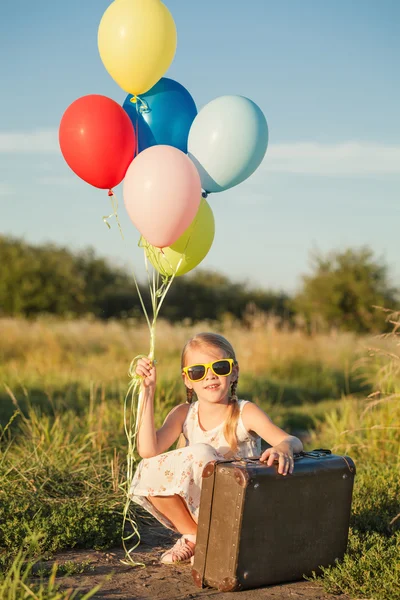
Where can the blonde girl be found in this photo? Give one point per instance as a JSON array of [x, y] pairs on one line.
[[213, 424]]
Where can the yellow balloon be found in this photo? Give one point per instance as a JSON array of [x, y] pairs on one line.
[[191, 247], [137, 43]]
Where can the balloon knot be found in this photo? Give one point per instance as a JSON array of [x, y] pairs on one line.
[[133, 99], [204, 195], [110, 193], [144, 108]]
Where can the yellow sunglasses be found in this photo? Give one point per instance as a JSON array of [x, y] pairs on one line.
[[222, 367]]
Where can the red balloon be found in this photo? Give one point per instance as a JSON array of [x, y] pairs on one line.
[[97, 140]]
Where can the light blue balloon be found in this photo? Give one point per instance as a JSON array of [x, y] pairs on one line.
[[227, 141], [164, 116]]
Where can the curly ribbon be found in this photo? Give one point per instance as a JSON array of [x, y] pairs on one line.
[[159, 285], [114, 205], [133, 403]]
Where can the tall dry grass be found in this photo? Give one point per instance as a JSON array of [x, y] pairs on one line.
[[370, 427], [102, 350]]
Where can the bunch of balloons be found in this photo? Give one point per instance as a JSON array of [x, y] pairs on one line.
[[164, 150]]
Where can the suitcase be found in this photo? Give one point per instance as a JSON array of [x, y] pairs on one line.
[[257, 527]]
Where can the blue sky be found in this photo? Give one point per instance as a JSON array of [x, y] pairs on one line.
[[325, 76]]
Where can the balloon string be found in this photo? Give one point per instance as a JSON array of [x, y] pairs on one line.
[[114, 205], [134, 397], [134, 403], [157, 255], [137, 131]]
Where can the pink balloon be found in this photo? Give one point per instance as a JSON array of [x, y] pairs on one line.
[[162, 191]]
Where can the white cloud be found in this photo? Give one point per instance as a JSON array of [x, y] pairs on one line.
[[347, 158], [310, 158], [43, 141]]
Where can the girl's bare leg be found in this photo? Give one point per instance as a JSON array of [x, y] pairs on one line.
[[175, 509]]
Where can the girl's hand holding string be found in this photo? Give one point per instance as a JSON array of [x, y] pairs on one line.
[[145, 368]]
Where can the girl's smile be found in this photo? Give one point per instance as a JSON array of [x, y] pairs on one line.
[[212, 386]]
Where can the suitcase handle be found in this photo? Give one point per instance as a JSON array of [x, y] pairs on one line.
[[317, 453]]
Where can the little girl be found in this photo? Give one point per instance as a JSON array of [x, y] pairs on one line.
[[216, 426]]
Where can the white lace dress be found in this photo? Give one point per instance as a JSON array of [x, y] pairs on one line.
[[180, 471]]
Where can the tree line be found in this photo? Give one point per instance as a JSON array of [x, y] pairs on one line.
[[341, 291]]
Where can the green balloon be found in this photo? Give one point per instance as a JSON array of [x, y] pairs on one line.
[[190, 248]]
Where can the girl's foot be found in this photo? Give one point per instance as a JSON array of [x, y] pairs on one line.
[[182, 551]]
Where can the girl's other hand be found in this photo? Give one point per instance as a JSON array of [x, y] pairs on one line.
[[145, 368], [283, 454]]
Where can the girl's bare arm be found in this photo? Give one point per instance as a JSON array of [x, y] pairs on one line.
[[149, 441], [283, 444]]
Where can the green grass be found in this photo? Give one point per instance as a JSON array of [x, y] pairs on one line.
[[19, 580], [371, 567], [63, 448], [369, 431], [58, 481]]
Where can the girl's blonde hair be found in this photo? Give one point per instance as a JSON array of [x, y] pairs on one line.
[[218, 341]]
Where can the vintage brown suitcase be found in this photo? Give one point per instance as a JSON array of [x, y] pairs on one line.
[[257, 527]]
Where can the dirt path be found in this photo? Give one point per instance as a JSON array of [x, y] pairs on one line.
[[159, 582]]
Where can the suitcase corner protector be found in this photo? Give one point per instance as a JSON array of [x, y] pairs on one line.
[[197, 578], [241, 477], [209, 469], [229, 584]]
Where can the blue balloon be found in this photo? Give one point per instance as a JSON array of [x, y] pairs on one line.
[[163, 115], [227, 142]]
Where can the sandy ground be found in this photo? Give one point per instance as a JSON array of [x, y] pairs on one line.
[[159, 582]]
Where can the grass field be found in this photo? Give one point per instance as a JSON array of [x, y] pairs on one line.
[[63, 448]]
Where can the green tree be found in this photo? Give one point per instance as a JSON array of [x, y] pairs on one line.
[[110, 291], [38, 279], [50, 279], [207, 295], [343, 290]]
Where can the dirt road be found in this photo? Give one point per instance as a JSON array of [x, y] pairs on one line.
[[159, 582]]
